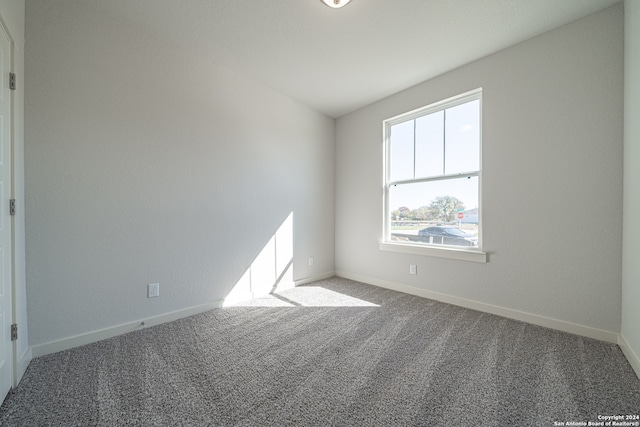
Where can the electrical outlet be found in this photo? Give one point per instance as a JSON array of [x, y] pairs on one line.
[[310, 260], [413, 269], [153, 290]]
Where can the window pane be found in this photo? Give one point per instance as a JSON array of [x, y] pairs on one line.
[[428, 212], [401, 151], [462, 130], [430, 145]]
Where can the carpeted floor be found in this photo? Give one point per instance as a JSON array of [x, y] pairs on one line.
[[333, 353]]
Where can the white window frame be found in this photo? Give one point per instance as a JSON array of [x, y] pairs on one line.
[[466, 254]]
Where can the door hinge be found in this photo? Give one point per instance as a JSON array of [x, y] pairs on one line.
[[14, 332], [12, 81], [12, 207]]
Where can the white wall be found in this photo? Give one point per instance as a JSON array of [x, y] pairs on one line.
[[13, 12], [148, 163], [552, 179], [631, 228]]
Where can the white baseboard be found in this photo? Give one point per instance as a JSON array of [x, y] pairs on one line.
[[631, 356], [22, 363], [547, 322], [101, 334], [94, 336], [315, 278]]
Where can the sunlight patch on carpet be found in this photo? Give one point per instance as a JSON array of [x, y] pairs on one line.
[[306, 296]]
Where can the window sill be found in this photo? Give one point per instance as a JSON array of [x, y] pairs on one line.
[[451, 253]]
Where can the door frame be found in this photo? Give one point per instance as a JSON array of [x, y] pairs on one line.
[[12, 288]]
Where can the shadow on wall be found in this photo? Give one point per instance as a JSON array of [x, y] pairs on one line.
[[272, 269]]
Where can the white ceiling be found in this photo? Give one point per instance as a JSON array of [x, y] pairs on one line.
[[339, 60]]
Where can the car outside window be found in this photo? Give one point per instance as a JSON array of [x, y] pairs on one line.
[[432, 175]]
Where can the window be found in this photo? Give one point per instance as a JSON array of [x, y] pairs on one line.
[[433, 177]]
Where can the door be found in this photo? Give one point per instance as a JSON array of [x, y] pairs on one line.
[[6, 348]]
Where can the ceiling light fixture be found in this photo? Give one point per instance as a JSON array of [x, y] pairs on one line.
[[335, 3]]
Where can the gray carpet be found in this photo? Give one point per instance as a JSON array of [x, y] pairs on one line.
[[333, 353]]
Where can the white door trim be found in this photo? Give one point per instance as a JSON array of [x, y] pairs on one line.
[[11, 187]]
